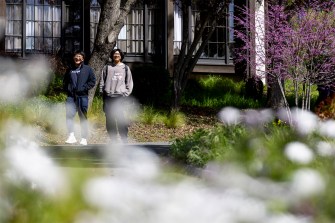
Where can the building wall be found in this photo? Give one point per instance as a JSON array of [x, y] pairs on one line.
[[170, 25], [203, 66], [2, 24]]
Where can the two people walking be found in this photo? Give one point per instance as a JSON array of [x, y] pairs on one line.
[[116, 84]]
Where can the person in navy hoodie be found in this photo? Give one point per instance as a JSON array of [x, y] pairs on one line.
[[78, 80]]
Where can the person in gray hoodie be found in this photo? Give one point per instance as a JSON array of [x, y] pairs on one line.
[[116, 84]]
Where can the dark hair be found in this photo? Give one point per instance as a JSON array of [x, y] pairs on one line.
[[79, 52], [121, 54]]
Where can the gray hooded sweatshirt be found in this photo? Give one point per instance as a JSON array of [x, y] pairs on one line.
[[116, 81]]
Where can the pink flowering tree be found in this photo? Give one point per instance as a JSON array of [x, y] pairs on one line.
[[299, 46]]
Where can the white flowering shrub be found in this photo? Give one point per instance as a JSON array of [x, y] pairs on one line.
[[289, 166], [252, 169]]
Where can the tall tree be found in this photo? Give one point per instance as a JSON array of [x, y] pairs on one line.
[[112, 18], [211, 11]]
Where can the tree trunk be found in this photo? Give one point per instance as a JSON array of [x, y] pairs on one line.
[[176, 96], [112, 17], [275, 99]]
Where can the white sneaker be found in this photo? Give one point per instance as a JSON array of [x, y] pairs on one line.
[[83, 142], [71, 139]]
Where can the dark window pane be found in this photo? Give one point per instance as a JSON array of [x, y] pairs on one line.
[[39, 26]]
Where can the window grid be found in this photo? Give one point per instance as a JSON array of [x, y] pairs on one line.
[[42, 25], [73, 28], [131, 38], [216, 46], [219, 46], [94, 21], [13, 36], [135, 32], [154, 32]]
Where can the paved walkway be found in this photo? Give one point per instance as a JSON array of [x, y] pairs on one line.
[[93, 154]]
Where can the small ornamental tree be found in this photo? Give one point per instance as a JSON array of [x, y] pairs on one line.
[[299, 45], [211, 12]]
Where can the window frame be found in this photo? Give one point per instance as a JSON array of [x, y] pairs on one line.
[[149, 36], [227, 36], [32, 40]]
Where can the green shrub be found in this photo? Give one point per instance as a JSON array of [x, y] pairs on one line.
[[259, 152], [95, 111], [218, 92], [55, 87], [149, 115], [174, 119], [203, 146]]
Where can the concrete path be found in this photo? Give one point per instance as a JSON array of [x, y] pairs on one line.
[[93, 154]]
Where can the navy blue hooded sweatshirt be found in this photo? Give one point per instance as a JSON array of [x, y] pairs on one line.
[[84, 82]]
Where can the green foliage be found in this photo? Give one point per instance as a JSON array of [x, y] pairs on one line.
[[55, 88], [175, 119], [149, 115], [95, 112], [290, 93], [152, 85], [262, 154], [218, 92], [33, 206], [206, 145]]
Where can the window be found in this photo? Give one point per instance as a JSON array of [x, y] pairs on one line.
[[215, 48], [43, 26], [73, 30], [13, 39], [155, 34], [131, 37], [136, 38], [39, 27], [178, 24], [220, 44], [94, 21]]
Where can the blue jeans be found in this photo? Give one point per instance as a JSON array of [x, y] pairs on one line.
[[73, 105]]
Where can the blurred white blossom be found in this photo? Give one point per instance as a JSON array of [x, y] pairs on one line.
[[327, 128], [28, 163], [299, 152], [304, 121], [137, 162], [325, 149], [19, 80], [307, 183], [126, 109], [230, 116], [254, 117], [288, 218], [186, 201]]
